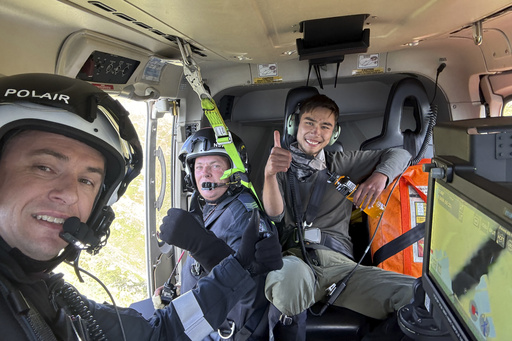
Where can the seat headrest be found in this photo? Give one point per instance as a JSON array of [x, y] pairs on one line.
[[408, 91], [291, 110]]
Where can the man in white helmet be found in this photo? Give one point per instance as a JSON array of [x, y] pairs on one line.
[[68, 152]]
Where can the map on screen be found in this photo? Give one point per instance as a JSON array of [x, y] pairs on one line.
[[471, 262]]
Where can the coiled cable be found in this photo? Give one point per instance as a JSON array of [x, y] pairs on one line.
[[432, 119], [77, 306]]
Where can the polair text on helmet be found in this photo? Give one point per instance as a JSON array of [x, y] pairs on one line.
[[33, 94]]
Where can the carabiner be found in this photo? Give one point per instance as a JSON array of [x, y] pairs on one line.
[[191, 70]]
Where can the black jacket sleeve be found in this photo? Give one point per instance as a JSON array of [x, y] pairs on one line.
[[192, 316]]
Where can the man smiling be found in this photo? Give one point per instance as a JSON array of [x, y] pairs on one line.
[[292, 178], [42, 184], [62, 165], [316, 130]]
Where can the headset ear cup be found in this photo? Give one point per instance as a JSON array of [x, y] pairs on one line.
[[291, 125], [335, 134], [189, 185]]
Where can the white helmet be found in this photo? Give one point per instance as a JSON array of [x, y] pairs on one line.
[[79, 110]]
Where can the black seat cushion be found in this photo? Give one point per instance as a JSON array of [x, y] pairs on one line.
[[336, 324]]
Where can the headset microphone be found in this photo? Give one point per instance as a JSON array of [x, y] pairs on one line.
[[79, 234], [212, 185]]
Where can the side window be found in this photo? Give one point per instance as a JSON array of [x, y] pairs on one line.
[[120, 265], [507, 106]]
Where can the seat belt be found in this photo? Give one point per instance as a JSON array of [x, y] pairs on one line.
[[399, 243], [405, 239]]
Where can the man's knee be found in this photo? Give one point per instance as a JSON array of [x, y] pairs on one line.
[[291, 289], [402, 296]]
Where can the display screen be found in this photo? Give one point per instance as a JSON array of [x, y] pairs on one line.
[[470, 262]]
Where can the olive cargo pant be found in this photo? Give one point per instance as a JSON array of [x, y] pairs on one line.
[[370, 291]]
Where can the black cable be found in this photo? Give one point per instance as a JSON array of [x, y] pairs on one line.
[[77, 307], [428, 135], [440, 69], [78, 304], [342, 284], [169, 290], [432, 119]]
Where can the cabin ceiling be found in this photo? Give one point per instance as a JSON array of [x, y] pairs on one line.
[[264, 31]]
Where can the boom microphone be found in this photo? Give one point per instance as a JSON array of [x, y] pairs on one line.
[[212, 185], [79, 234]]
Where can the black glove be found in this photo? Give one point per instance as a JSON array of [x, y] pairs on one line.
[[184, 230], [259, 256]]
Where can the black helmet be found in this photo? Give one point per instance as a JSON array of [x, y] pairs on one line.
[[202, 143], [79, 110]]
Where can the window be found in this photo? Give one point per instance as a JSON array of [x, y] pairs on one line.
[[121, 264]]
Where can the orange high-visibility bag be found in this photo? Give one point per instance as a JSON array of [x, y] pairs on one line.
[[406, 208]]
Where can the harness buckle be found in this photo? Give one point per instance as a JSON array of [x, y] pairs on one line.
[[196, 269], [331, 289], [222, 136], [285, 320], [231, 331], [313, 235]]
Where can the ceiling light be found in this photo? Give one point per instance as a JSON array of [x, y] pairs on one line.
[[242, 57], [289, 53], [413, 43]]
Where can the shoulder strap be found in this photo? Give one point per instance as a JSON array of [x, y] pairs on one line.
[[252, 323], [316, 196], [29, 319], [306, 218], [315, 200], [248, 201], [297, 210], [399, 243]]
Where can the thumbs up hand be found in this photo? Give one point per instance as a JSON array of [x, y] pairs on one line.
[[279, 159], [277, 139]]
